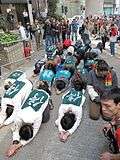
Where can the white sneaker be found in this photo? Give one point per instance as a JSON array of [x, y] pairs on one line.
[[111, 55]]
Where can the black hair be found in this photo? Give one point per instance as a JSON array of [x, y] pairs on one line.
[[102, 65], [90, 55], [79, 84], [26, 132], [6, 87], [50, 66], [69, 54], [113, 94], [44, 86], [60, 85], [68, 120], [9, 110]]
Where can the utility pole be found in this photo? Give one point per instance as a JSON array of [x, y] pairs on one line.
[[29, 3]]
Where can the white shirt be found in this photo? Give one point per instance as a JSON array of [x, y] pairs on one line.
[[113, 38], [77, 110], [23, 33], [28, 115], [25, 14], [16, 101], [92, 93]]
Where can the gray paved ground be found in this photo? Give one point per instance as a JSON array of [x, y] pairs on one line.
[[87, 143]]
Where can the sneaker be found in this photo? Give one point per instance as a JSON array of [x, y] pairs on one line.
[[111, 55]]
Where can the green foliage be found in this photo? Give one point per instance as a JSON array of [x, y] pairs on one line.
[[6, 38], [52, 6]]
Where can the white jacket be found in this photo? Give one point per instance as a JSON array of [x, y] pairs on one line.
[[28, 115], [75, 109], [16, 101]]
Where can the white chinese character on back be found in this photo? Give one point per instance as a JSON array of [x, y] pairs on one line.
[[34, 101], [73, 97], [12, 89]]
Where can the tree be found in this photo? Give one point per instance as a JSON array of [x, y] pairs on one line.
[[52, 6]]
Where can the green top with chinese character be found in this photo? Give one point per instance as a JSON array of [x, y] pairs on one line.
[[36, 99], [15, 75], [73, 97], [14, 89]]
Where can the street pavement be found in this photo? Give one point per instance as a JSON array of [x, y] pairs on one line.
[[87, 143]]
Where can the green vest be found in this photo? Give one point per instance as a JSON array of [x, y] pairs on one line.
[[15, 75], [70, 61], [36, 99], [73, 97], [14, 89]]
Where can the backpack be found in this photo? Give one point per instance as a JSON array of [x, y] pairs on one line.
[[110, 135]]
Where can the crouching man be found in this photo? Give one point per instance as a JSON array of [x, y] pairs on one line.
[[14, 76], [100, 80], [34, 111], [111, 104], [70, 111], [12, 101]]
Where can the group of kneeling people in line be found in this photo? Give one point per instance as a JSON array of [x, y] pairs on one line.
[[27, 107]]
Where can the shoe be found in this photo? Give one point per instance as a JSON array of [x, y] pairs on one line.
[[111, 55]]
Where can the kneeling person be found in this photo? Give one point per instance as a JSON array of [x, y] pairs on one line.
[[14, 76], [70, 111], [12, 101], [29, 119], [61, 80]]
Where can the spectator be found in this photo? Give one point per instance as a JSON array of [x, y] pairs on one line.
[[74, 29], [25, 17], [48, 34], [23, 33], [104, 35], [113, 38], [37, 33], [10, 20]]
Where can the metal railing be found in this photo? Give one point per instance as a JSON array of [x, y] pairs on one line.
[[24, 64]]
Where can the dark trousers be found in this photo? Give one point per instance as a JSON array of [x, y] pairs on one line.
[[103, 41], [63, 36], [46, 114]]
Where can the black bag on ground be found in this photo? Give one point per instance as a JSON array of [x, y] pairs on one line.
[[38, 66], [113, 145]]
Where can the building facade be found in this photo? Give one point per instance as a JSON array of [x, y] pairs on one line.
[[94, 7], [109, 7], [74, 7], [18, 6]]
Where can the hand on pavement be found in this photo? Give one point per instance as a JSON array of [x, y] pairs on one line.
[[64, 136], [106, 156], [12, 150]]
